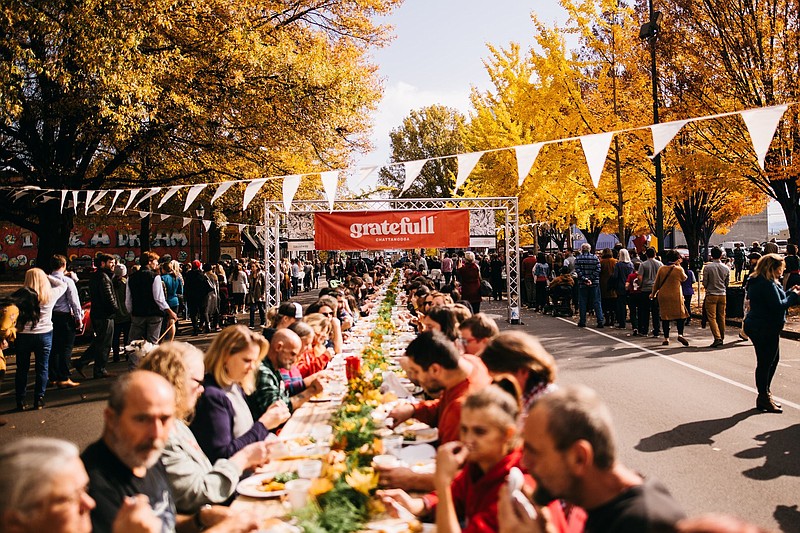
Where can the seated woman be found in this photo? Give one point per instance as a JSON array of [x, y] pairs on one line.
[[470, 472], [326, 305], [297, 381], [441, 318], [281, 317], [223, 423], [519, 355], [194, 481], [317, 356]]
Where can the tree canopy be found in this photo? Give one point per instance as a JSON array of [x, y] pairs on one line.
[[97, 94]]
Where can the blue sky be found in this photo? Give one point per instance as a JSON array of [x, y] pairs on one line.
[[437, 57]]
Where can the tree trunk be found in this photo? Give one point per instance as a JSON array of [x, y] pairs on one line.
[[144, 235], [53, 233], [786, 194]]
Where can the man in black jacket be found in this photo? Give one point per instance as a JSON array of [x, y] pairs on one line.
[[104, 307], [197, 287], [145, 300]]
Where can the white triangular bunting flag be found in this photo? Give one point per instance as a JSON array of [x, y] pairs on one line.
[[191, 196], [114, 200], [330, 181], [75, 200], [169, 194], [664, 133], [289, 189], [240, 227], [19, 194], [250, 192], [97, 208], [413, 168], [222, 189], [466, 162], [363, 174], [134, 192], [63, 199], [186, 222], [143, 214], [595, 149], [163, 217], [99, 196], [89, 195], [526, 157], [761, 124], [153, 191], [207, 224]]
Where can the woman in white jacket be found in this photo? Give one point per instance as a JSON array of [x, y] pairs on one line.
[[36, 301], [240, 284]]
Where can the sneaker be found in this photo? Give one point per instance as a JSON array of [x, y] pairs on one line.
[[38, 404], [581, 325], [68, 384], [665, 342], [743, 336], [600, 326], [682, 340], [716, 344]]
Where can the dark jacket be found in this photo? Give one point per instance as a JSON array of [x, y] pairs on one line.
[[768, 305], [140, 284], [102, 295], [196, 286], [213, 424]]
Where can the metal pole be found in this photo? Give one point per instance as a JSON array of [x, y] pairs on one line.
[[657, 159]]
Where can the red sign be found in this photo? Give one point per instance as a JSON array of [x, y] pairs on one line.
[[382, 230]]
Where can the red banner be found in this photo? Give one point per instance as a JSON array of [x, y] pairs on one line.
[[385, 230]]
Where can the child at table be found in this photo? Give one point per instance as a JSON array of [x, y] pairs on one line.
[[487, 451]]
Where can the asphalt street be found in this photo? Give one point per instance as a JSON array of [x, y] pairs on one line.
[[683, 415]]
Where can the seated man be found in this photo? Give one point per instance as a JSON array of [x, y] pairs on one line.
[[561, 288], [436, 363], [125, 462], [44, 489]]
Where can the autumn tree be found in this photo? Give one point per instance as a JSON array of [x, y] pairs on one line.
[[720, 56], [433, 131], [95, 96]]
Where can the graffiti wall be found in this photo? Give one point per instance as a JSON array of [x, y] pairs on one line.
[[18, 247]]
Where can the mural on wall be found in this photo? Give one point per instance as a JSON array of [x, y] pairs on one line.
[[18, 248]]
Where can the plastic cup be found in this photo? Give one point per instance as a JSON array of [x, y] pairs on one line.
[[297, 493], [311, 469], [392, 444]]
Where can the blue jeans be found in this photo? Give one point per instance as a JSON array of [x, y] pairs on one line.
[[38, 344], [584, 294]]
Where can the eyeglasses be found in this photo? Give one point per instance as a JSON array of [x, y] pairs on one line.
[[330, 314], [427, 302]]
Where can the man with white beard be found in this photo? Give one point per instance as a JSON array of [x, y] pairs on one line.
[[125, 461]]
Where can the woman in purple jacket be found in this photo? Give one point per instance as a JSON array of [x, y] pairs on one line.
[[223, 423]]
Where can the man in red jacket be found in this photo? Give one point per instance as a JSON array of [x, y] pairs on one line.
[[436, 363]]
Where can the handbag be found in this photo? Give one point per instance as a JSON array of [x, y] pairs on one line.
[[486, 288]]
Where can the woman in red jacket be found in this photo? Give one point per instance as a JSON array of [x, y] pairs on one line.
[[470, 472], [470, 277]]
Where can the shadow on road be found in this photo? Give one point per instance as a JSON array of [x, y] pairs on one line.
[[788, 518], [779, 449], [700, 432]]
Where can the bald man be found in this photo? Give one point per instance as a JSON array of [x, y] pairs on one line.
[[270, 388], [125, 461]]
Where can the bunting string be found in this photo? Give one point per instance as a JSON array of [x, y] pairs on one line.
[[761, 124]]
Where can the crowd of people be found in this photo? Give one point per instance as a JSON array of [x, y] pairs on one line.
[[183, 427]]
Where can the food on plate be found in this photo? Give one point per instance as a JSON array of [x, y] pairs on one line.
[[277, 482]]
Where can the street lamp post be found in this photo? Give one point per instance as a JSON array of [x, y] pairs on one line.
[[650, 31], [200, 212]]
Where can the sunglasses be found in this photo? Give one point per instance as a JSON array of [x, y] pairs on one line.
[[327, 314]]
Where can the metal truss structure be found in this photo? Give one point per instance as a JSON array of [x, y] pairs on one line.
[[506, 206]]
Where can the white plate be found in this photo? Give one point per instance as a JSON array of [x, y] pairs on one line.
[[249, 486], [432, 438]]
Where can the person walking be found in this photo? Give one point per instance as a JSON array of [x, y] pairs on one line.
[[122, 319], [447, 268], [173, 289], [497, 266], [792, 275], [541, 277], [470, 277], [649, 308], [667, 289], [622, 269], [608, 291], [144, 299], [587, 266], [198, 287], [716, 277], [258, 293], [35, 337], [67, 319], [764, 323], [739, 257], [529, 282], [240, 284], [104, 306], [687, 289]]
